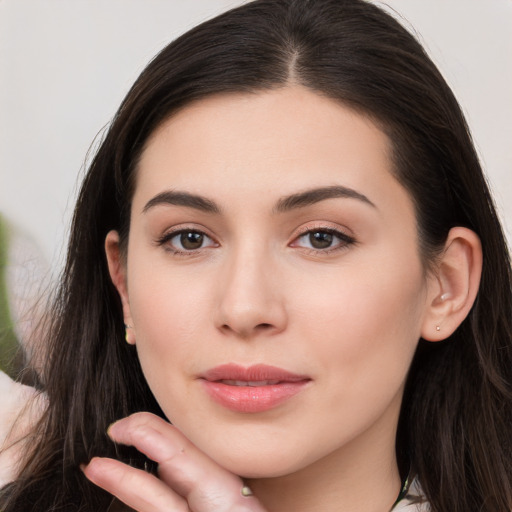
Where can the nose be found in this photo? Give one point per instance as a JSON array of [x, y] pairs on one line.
[[251, 301]]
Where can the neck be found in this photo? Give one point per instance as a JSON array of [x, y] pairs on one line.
[[362, 476]]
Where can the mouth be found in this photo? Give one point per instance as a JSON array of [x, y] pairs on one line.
[[254, 389], [254, 383]]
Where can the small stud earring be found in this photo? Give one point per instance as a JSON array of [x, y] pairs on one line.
[[126, 327], [438, 328], [246, 491]]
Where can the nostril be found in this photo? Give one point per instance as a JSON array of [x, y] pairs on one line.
[[264, 327], [247, 333]]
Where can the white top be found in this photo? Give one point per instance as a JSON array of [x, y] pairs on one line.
[[18, 412], [413, 501]]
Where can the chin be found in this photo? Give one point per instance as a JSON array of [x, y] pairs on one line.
[[254, 471], [259, 465]]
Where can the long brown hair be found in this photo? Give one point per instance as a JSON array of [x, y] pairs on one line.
[[455, 428]]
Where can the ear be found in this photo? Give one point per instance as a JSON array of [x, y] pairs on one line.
[[117, 270], [454, 285]]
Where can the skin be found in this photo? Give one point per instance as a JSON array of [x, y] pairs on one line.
[[258, 291]]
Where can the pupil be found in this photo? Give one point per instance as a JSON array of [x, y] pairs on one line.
[[191, 240], [320, 239]]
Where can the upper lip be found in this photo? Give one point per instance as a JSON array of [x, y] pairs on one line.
[[254, 373]]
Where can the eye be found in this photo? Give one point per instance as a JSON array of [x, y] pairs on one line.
[[324, 239], [186, 240]]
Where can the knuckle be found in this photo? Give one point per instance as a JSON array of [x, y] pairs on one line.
[[140, 419], [140, 437]]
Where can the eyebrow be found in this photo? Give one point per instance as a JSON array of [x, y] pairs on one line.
[[285, 204], [315, 195], [182, 199]]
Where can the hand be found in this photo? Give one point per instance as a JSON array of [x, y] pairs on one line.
[[188, 481]]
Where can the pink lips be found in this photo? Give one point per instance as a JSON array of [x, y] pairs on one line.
[[254, 389]]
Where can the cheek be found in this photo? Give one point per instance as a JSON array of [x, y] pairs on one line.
[[361, 329], [168, 313], [163, 315], [367, 321], [164, 300]]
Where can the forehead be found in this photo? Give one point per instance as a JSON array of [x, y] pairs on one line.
[[264, 143]]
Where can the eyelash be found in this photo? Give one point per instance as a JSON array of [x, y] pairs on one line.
[[167, 237], [344, 240]]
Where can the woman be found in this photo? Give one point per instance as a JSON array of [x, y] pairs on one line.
[[284, 246]]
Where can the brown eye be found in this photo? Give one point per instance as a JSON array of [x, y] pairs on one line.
[[186, 240], [191, 240], [320, 239], [323, 240]]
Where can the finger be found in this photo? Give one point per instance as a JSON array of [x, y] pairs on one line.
[[206, 486], [136, 488]]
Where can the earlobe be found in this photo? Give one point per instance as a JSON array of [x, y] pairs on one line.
[[117, 271], [455, 284]]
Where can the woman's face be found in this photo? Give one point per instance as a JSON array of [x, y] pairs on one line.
[[274, 282]]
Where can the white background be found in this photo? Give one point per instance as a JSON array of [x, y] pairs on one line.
[[65, 66]]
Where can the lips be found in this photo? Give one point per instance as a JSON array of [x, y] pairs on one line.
[[254, 389], [254, 383]]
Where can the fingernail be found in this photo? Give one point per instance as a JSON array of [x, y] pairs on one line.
[[109, 429]]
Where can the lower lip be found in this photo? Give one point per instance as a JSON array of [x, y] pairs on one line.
[[251, 399]]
